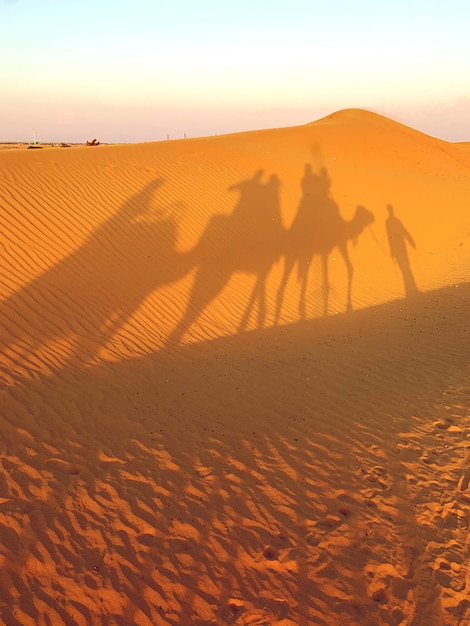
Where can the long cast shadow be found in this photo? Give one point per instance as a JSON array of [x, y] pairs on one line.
[[217, 517], [398, 238], [317, 229], [93, 300], [247, 240]]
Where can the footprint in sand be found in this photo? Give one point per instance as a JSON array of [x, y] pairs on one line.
[[271, 553], [281, 540], [449, 574], [277, 548], [64, 467], [313, 539], [462, 487], [329, 522], [232, 610], [377, 475], [16, 505], [275, 609]]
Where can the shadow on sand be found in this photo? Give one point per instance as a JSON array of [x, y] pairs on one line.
[[88, 296], [252, 239], [248, 240], [85, 300], [213, 504], [398, 238], [317, 229]]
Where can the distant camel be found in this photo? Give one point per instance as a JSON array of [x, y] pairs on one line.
[[93, 142], [328, 230]]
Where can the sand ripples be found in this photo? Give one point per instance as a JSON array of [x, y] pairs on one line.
[[217, 404]]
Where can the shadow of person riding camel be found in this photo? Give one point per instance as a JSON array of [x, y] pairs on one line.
[[317, 229], [86, 298], [247, 240], [252, 239]]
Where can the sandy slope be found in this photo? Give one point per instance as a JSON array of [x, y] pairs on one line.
[[205, 417]]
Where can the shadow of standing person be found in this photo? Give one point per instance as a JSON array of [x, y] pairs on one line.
[[398, 237]]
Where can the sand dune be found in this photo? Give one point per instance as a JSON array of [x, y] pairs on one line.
[[234, 379]]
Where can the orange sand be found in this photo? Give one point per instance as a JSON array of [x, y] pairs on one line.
[[205, 419]]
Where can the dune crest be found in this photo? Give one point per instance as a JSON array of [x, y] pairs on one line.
[[234, 379]]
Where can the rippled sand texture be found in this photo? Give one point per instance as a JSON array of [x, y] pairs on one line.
[[234, 380]]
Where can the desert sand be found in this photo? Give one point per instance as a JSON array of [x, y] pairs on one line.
[[234, 377]]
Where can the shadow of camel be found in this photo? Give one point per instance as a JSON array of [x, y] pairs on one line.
[[87, 297], [317, 229], [247, 240]]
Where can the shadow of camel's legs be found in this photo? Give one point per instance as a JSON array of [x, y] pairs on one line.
[[343, 248], [289, 263], [325, 283], [303, 273], [257, 295], [207, 286]]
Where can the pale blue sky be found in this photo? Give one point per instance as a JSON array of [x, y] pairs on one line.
[[143, 69]]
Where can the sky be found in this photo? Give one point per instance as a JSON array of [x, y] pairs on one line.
[[146, 70]]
